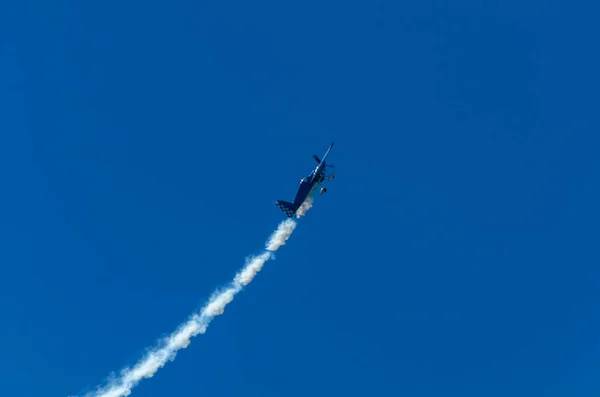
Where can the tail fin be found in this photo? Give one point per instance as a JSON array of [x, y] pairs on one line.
[[288, 208]]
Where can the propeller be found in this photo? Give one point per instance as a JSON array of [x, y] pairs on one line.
[[319, 161]]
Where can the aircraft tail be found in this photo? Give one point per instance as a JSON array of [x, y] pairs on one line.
[[288, 208]]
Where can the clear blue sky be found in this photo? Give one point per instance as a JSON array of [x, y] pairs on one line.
[[143, 145]]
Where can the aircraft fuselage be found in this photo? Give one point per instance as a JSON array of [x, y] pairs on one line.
[[307, 186]]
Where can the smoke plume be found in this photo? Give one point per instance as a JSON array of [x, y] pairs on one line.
[[305, 206], [167, 348]]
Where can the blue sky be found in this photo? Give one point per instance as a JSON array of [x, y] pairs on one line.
[[144, 144]]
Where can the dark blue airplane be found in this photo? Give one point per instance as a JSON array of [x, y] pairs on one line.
[[307, 186]]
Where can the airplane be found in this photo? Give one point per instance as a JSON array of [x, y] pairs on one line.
[[307, 185]]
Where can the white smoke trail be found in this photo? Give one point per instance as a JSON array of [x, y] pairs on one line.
[[198, 323], [305, 206]]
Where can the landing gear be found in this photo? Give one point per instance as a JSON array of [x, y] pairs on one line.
[[323, 190], [331, 177]]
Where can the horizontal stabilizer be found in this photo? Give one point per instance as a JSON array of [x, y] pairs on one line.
[[288, 209]]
